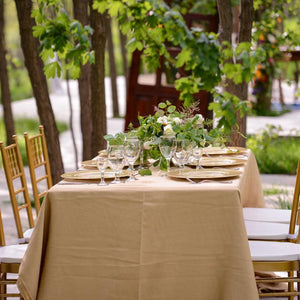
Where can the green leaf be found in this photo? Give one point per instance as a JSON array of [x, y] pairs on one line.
[[52, 69], [162, 105], [145, 172], [114, 8], [100, 5], [183, 57]]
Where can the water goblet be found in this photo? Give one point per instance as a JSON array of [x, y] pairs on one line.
[[167, 147], [197, 154], [102, 165], [132, 149], [116, 160], [182, 152]]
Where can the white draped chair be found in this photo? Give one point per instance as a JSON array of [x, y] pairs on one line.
[[273, 227], [10, 259]]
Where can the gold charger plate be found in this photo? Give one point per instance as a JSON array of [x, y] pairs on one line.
[[89, 163], [93, 164], [218, 162], [204, 173], [223, 151], [93, 174]]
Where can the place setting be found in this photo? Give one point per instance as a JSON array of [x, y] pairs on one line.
[[190, 164], [108, 166]]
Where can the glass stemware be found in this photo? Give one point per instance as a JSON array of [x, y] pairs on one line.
[[183, 152], [132, 149], [167, 147], [197, 154], [116, 160], [102, 165]]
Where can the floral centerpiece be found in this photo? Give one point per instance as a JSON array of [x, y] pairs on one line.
[[184, 124]]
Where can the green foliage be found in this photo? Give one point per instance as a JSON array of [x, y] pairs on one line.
[[269, 37], [184, 125], [117, 139], [145, 172], [152, 25], [61, 37], [224, 107], [275, 154], [246, 58]]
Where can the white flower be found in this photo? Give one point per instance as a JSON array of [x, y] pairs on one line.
[[271, 38], [163, 120], [168, 130], [200, 119], [147, 145], [177, 120]]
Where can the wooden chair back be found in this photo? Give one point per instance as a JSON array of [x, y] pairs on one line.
[[295, 205], [16, 182], [39, 166], [2, 237]]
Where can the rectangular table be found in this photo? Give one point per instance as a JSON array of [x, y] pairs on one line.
[[155, 238]]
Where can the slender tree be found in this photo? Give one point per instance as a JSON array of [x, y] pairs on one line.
[[4, 82], [34, 65], [112, 67], [97, 81], [80, 8], [226, 29]]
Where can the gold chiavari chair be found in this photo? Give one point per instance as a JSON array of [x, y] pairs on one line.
[[39, 166], [17, 186]]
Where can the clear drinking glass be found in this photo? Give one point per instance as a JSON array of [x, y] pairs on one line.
[[116, 160], [132, 149], [197, 154], [183, 152], [102, 165], [167, 147]]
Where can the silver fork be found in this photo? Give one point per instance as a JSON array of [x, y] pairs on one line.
[[207, 181]]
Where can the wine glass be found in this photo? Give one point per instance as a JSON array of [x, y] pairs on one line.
[[116, 160], [132, 149], [102, 165], [197, 154], [167, 147], [182, 152]]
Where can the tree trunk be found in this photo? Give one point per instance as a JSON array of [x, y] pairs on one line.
[[81, 14], [34, 65], [112, 68], [97, 82], [123, 42], [4, 82], [240, 90]]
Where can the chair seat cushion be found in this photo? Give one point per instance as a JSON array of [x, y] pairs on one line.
[[27, 235], [267, 214], [268, 231], [274, 251], [13, 253]]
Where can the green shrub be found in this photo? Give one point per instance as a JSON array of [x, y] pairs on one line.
[[275, 154]]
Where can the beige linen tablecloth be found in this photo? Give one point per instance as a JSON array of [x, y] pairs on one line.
[[153, 239]]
